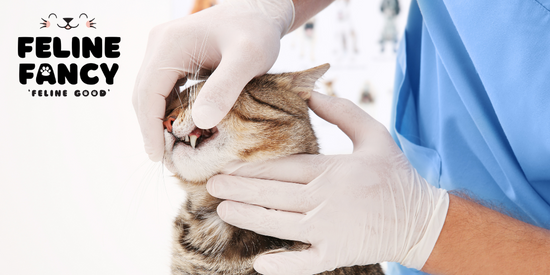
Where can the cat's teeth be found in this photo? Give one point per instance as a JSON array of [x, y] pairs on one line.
[[193, 141], [187, 138]]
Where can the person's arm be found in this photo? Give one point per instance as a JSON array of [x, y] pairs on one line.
[[362, 208], [478, 240], [368, 207]]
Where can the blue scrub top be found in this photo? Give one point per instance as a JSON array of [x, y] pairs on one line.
[[472, 102]]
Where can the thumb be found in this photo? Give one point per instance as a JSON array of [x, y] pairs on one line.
[[304, 262], [220, 91], [350, 118]]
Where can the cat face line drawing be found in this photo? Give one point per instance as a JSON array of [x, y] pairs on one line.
[[66, 22]]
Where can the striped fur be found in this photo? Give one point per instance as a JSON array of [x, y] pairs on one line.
[[269, 120]]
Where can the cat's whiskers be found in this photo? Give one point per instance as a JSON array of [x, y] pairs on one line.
[[198, 60], [130, 197]]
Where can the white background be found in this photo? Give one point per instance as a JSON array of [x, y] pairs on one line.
[[78, 194]]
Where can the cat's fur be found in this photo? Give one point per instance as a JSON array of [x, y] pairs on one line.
[[269, 120]]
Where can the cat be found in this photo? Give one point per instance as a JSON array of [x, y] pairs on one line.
[[269, 120]]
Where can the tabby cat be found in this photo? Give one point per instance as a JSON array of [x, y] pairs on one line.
[[269, 120]]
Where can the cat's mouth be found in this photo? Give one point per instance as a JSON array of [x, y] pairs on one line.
[[196, 137], [68, 27]]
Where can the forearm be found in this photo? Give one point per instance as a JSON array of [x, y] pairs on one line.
[[305, 9], [478, 240]]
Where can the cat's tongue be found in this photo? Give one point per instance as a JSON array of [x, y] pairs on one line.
[[197, 132]]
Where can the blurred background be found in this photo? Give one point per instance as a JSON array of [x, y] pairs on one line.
[[78, 194]]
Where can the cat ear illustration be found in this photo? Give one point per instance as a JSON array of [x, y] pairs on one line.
[[89, 23], [47, 23]]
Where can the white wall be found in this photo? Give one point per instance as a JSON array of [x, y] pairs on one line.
[[77, 192], [349, 71]]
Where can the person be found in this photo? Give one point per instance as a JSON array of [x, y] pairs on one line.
[[470, 115]]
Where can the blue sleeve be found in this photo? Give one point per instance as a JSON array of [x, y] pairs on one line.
[[472, 97]]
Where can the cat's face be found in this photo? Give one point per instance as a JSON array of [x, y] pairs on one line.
[[67, 23], [269, 120]]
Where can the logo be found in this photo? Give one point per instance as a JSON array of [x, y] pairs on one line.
[[68, 62], [52, 18]]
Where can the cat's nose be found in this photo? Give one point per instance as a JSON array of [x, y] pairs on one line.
[[68, 19], [168, 123]]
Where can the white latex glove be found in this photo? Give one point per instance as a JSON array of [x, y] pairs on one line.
[[367, 207], [238, 38]]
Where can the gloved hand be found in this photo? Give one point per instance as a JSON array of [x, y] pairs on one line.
[[238, 38], [367, 207]]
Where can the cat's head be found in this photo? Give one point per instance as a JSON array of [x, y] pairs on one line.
[[269, 120]]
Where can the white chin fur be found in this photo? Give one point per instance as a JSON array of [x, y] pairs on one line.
[[197, 164]]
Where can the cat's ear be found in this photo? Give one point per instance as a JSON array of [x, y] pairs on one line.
[[303, 82]]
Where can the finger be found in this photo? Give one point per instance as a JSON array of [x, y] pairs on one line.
[[352, 120], [221, 90], [146, 63], [152, 90], [279, 195], [296, 168], [268, 222], [304, 262]]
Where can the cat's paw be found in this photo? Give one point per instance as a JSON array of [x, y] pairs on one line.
[[45, 71]]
